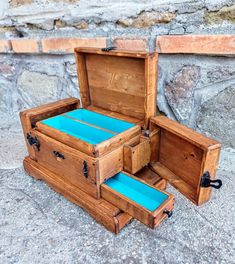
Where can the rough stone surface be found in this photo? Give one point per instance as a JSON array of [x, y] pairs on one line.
[[38, 225], [217, 117], [38, 88], [179, 92], [199, 107], [227, 13]]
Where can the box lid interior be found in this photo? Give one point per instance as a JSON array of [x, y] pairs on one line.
[[119, 81]]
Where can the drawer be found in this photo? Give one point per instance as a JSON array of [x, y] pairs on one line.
[[71, 165], [136, 154], [144, 202]]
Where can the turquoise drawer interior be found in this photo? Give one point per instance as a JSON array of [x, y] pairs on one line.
[[88, 126], [137, 191]]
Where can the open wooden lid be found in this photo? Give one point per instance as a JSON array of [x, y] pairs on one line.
[[119, 81]]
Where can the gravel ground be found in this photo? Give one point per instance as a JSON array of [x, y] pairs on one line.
[[38, 225]]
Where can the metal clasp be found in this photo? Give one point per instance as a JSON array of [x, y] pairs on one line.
[[109, 48], [33, 141], [85, 169], [207, 182]]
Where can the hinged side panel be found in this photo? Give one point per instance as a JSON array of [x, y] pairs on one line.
[[182, 156]]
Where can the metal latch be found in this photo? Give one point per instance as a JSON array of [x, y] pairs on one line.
[[109, 48], [85, 169], [168, 213], [33, 141], [207, 182]]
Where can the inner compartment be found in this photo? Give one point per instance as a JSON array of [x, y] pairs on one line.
[[88, 126], [176, 160], [138, 192]]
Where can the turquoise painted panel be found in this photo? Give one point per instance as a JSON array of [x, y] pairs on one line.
[[76, 129], [106, 122], [137, 191]]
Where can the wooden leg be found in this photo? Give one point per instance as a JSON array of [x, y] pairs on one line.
[[102, 211]]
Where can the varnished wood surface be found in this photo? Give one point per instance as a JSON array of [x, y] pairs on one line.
[[31, 116], [151, 219], [136, 156], [181, 156], [102, 211], [118, 81]]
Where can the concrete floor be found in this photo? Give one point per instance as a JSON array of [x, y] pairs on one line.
[[38, 225]]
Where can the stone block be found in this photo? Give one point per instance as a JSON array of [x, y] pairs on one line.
[[67, 45], [5, 46], [201, 44], [131, 44], [25, 45]]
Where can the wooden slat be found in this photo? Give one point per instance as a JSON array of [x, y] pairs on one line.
[[103, 212], [186, 133], [175, 181]]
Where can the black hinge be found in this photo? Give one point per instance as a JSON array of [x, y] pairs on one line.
[[109, 48], [33, 141], [207, 182], [85, 169]]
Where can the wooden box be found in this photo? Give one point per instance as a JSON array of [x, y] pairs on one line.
[[93, 150]]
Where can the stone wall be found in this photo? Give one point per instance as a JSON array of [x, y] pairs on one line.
[[196, 83]]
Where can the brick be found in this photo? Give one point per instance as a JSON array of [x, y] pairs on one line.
[[131, 44], [67, 45], [197, 44], [25, 45], [5, 46]]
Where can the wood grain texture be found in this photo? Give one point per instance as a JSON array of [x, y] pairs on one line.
[[102, 211], [181, 156], [71, 167], [31, 116], [136, 156], [151, 219], [118, 81]]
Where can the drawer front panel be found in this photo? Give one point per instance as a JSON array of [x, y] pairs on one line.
[[68, 163], [144, 202]]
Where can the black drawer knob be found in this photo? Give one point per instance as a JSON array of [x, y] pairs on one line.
[[168, 213]]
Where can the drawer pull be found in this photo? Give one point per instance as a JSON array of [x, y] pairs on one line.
[[58, 154], [168, 213], [85, 169]]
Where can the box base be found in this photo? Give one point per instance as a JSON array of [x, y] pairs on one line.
[[102, 211]]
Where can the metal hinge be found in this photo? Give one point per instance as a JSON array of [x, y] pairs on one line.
[[33, 141], [85, 169], [109, 48], [207, 182]]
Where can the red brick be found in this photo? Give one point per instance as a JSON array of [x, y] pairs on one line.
[[67, 45], [25, 45], [131, 44], [197, 44], [5, 46]]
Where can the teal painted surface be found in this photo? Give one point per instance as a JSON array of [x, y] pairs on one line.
[[137, 191], [84, 132], [100, 120]]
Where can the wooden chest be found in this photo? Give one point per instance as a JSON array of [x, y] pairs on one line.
[[109, 152]]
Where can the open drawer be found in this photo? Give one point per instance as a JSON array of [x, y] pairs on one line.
[[142, 201]]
